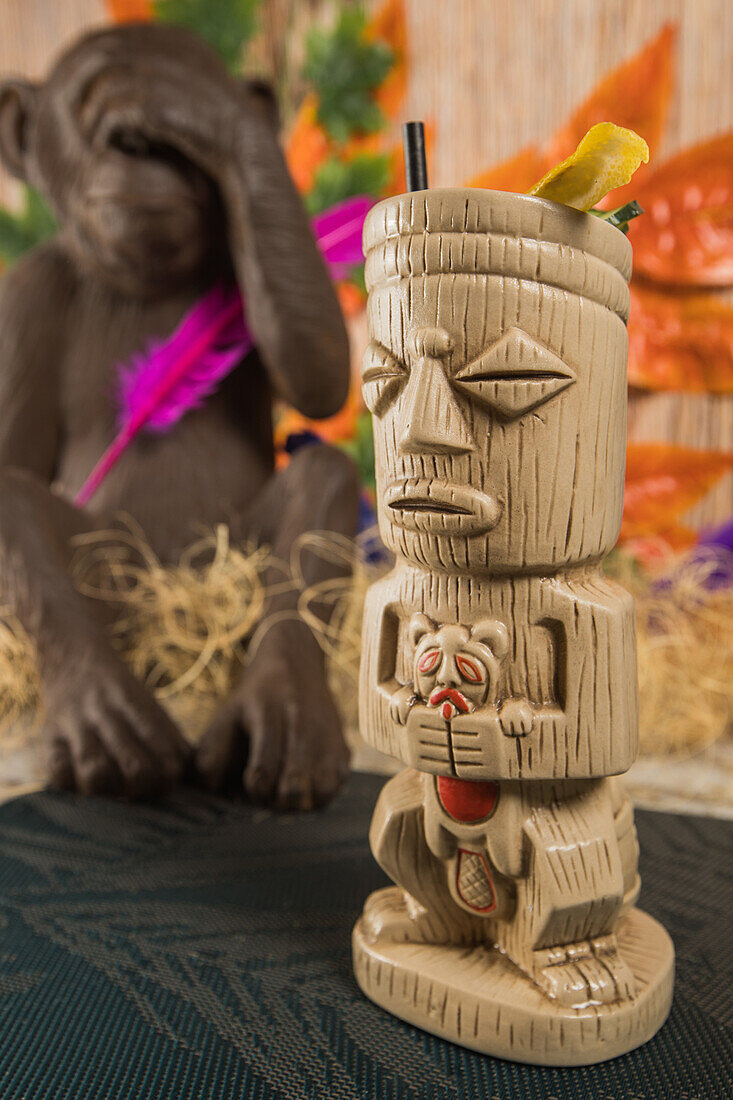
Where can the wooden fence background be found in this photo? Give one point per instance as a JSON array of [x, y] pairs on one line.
[[492, 75]]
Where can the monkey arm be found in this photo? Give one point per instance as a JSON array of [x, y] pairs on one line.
[[290, 302], [229, 129], [33, 298]]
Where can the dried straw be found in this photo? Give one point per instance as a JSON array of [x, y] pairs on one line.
[[685, 646], [19, 692], [187, 629]]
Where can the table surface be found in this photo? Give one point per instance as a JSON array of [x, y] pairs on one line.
[[199, 948]]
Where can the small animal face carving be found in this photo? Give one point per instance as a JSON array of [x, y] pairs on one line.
[[457, 668]]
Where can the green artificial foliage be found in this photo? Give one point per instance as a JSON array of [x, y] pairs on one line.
[[21, 232], [225, 24], [343, 67], [336, 180], [356, 276], [361, 450]]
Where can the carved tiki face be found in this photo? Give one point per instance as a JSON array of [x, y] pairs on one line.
[[496, 373]]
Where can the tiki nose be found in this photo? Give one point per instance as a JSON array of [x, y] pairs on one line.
[[430, 418], [448, 673]]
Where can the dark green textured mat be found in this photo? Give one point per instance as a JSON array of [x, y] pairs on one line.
[[200, 949]]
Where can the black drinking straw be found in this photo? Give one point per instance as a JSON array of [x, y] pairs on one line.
[[416, 169]]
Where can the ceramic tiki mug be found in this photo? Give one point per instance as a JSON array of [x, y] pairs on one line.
[[498, 662]]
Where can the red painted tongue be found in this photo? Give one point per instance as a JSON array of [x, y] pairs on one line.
[[466, 800]]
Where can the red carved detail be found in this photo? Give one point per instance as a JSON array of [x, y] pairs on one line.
[[459, 701], [466, 800], [429, 660], [469, 670], [474, 886]]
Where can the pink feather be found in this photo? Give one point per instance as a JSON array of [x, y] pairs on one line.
[[175, 375], [158, 386], [339, 230], [179, 373]]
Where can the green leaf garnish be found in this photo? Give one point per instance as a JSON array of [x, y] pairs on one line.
[[621, 216]]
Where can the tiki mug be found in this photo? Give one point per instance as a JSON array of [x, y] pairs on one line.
[[499, 663]]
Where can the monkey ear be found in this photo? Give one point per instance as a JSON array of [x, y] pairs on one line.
[[494, 635], [263, 94], [17, 106], [420, 625]]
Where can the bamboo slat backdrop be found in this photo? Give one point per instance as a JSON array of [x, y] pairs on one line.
[[492, 76]]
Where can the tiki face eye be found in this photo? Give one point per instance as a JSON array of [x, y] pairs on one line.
[[429, 661], [382, 375], [469, 670], [515, 375]]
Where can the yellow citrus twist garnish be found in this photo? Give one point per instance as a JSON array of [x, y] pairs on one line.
[[606, 158]]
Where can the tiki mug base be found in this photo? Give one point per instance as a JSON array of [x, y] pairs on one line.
[[512, 928], [478, 998]]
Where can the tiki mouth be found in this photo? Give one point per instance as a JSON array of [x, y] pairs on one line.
[[417, 504], [454, 701], [437, 507]]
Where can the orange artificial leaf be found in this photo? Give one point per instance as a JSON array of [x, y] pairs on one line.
[[389, 25], [680, 342], [519, 173], [351, 298], [635, 95], [334, 429], [663, 480], [130, 11], [307, 145], [686, 234]]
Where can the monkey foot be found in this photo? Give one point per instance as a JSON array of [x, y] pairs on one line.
[[392, 915], [585, 973]]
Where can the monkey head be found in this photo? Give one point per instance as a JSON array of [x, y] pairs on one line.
[[456, 667], [101, 140]]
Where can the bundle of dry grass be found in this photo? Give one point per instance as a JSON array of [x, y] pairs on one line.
[[187, 629], [685, 647], [183, 629], [19, 693]]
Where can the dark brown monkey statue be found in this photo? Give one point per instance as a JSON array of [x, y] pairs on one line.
[[165, 175]]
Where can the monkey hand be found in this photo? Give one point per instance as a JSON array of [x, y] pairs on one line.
[[400, 702], [279, 733], [105, 732], [193, 110], [516, 717]]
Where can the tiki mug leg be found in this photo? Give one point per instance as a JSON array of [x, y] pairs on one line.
[[498, 662], [563, 934], [420, 907]]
